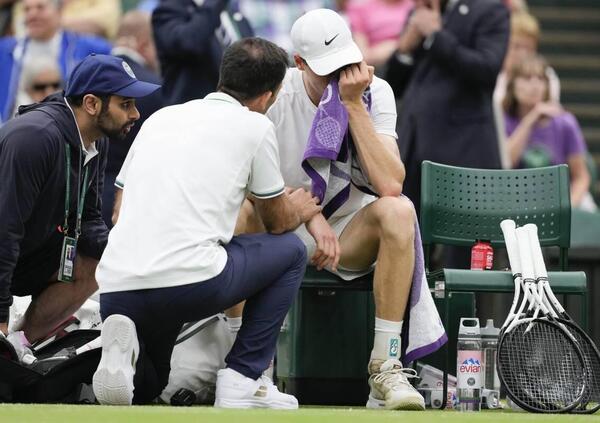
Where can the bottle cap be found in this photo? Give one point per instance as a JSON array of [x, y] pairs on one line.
[[489, 331], [469, 327]]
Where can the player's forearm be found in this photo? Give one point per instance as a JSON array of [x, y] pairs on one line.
[[382, 165], [278, 214]]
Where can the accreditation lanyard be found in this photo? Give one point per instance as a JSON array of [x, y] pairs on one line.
[[69, 249]]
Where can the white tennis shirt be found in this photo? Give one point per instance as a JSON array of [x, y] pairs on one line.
[[293, 113], [184, 180]]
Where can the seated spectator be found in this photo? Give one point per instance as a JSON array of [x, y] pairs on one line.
[[523, 42], [376, 25], [40, 79], [51, 151], [540, 132], [46, 38], [94, 17]]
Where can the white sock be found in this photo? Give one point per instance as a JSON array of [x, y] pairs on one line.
[[387, 340], [235, 323]]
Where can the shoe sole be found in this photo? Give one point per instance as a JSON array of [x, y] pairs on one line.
[[414, 404], [113, 380], [232, 403]]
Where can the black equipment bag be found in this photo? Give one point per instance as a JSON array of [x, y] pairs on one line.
[[65, 378]]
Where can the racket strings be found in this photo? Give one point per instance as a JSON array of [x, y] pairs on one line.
[[591, 396], [541, 367]]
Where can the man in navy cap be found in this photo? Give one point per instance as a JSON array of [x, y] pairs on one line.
[[52, 160]]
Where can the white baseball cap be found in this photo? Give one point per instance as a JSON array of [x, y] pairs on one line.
[[322, 38]]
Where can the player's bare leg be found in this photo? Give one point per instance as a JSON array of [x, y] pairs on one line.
[[384, 232]]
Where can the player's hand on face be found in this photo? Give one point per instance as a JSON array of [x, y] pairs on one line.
[[327, 253], [304, 203], [354, 80]]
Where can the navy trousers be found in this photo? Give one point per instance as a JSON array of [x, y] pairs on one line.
[[263, 269]]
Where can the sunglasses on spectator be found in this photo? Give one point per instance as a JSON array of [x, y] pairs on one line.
[[43, 86]]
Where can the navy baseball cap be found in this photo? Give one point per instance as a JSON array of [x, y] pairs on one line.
[[104, 74]]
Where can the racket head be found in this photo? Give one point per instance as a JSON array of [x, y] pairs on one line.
[[590, 403], [541, 367]]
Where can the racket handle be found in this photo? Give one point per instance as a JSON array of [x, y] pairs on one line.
[[539, 267], [508, 227], [525, 254]]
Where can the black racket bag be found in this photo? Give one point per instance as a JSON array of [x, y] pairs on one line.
[[58, 375]]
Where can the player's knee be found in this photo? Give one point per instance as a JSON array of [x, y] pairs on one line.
[[396, 218], [298, 249]]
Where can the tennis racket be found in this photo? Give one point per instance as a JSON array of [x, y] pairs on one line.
[[590, 402], [539, 362]]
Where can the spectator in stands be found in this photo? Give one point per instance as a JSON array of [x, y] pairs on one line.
[[135, 45], [540, 132], [51, 151], [40, 79], [94, 17], [523, 42], [273, 19], [376, 25], [45, 37], [190, 37], [449, 58]]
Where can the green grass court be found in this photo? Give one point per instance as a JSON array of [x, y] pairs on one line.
[[37, 413]]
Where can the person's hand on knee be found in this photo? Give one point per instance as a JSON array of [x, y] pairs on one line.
[[328, 248]]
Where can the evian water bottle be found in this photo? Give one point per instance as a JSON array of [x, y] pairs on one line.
[[469, 367]]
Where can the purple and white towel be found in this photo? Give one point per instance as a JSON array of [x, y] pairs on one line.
[[329, 158], [332, 164], [425, 332]]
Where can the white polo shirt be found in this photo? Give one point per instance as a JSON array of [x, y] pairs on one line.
[[293, 113], [185, 180]]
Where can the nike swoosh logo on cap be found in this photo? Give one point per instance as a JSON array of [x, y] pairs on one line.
[[330, 41]]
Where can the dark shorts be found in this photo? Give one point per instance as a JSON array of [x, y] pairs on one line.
[[33, 271]]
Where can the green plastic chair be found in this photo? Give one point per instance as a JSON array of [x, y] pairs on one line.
[[461, 205]]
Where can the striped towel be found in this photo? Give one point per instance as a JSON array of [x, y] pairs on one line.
[[329, 159]]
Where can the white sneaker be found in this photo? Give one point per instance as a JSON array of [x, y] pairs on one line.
[[234, 390], [113, 380], [390, 388]]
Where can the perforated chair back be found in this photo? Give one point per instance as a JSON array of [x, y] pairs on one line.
[[461, 205]]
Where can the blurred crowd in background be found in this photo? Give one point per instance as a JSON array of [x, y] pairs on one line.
[[453, 105]]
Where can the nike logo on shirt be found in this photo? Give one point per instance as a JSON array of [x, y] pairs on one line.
[[330, 41]]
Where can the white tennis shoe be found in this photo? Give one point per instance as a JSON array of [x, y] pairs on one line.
[[390, 388], [234, 390], [113, 380]]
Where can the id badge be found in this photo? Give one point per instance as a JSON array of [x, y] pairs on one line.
[[67, 259]]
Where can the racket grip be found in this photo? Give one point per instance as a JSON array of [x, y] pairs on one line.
[[525, 254], [536, 251], [508, 227]]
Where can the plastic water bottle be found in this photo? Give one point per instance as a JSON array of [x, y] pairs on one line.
[[469, 369], [491, 381]]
